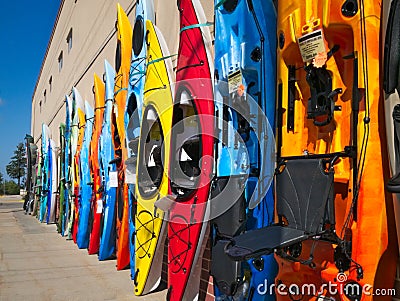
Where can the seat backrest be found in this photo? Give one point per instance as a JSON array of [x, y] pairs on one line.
[[304, 194]]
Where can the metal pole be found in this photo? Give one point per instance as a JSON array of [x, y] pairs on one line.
[[4, 182]]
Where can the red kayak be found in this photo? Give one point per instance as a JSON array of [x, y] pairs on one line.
[[96, 201], [191, 153]]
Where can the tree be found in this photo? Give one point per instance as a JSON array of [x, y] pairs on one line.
[[11, 187], [16, 168]]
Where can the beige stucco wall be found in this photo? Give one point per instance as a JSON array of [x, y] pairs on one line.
[[93, 40]]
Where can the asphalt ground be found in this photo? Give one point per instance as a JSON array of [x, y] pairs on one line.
[[36, 263]]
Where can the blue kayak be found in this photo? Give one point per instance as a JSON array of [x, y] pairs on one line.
[[106, 154], [245, 69], [82, 238], [45, 196], [133, 110], [49, 185], [52, 178], [67, 151]]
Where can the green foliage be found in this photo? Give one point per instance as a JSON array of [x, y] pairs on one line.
[[10, 188], [16, 169]]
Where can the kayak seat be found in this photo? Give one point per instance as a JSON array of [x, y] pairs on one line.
[[393, 184], [134, 145], [391, 67], [304, 204], [186, 172], [151, 177], [155, 173]]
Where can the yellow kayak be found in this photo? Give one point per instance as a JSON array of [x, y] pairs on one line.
[[153, 157]]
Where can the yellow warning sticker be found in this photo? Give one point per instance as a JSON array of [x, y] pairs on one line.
[[311, 45], [234, 81]]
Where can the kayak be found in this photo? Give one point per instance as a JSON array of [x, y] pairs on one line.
[[85, 188], [35, 151], [329, 131], [67, 162], [38, 189], [245, 101], [122, 65], [61, 177], [133, 110], [77, 163], [78, 127], [31, 156], [52, 177], [192, 152], [152, 179], [106, 154], [45, 196], [390, 30], [94, 163]]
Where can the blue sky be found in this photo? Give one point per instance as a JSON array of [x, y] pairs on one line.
[[25, 29]]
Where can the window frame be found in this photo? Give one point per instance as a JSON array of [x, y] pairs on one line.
[[69, 40], [60, 61]]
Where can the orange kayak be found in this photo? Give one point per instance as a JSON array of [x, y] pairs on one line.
[[123, 62], [364, 218]]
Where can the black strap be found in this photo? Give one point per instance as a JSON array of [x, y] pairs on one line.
[[396, 124], [393, 185]]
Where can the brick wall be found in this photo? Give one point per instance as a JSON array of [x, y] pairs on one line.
[[397, 283], [206, 287]]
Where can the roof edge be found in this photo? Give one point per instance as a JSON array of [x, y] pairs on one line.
[[48, 46]]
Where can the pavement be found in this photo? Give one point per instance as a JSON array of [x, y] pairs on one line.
[[36, 263]]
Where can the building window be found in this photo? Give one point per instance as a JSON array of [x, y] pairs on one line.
[[69, 40], [50, 83], [60, 61], [44, 96], [40, 106]]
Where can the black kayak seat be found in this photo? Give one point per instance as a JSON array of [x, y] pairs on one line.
[[391, 66], [393, 184], [134, 145], [304, 204], [263, 242], [131, 161]]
